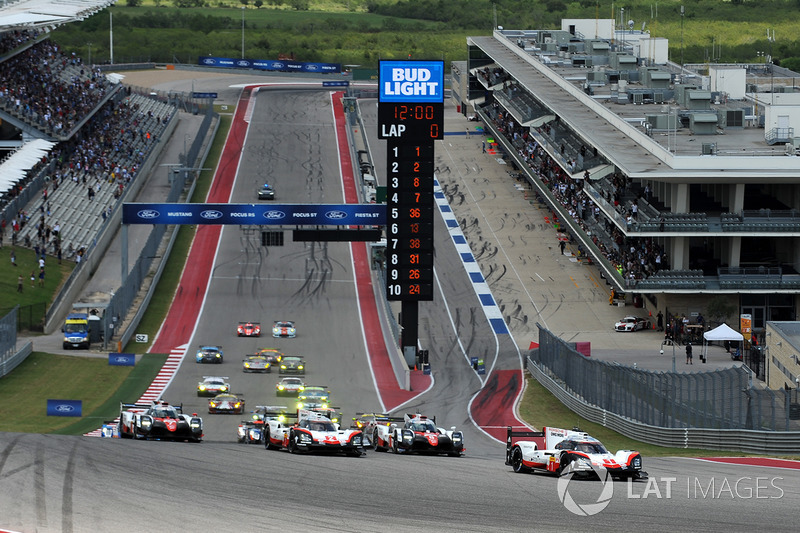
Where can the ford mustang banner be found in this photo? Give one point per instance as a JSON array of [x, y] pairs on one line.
[[64, 407], [256, 214], [280, 65], [122, 359]]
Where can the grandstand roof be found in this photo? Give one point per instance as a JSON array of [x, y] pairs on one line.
[[17, 164], [25, 14]]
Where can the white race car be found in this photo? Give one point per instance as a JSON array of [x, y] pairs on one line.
[[160, 421], [570, 451], [213, 385], [632, 323], [418, 434], [284, 328], [316, 432]]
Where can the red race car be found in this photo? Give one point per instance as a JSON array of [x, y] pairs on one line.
[[249, 329]]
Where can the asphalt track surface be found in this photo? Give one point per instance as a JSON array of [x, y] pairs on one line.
[[55, 483]]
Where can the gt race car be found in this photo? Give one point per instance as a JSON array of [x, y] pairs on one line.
[[313, 397], [367, 422], [256, 363], [253, 431], [209, 354], [289, 387], [248, 329], [273, 355], [284, 328], [418, 434], [226, 403], [632, 323], [160, 421], [316, 432], [213, 385], [570, 451], [292, 365]]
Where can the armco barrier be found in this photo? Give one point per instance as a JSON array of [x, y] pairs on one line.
[[741, 440]]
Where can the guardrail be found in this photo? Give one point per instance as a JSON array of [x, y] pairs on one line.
[[741, 440]]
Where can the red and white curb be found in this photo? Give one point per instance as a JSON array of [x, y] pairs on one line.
[[159, 384]]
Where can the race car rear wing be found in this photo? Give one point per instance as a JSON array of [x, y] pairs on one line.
[[123, 406], [511, 435], [379, 419]]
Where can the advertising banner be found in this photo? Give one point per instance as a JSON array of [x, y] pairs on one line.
[[64, 407], [122, 359]]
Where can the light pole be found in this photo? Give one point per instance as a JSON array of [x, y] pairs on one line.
[[681, 41], [243, 8]]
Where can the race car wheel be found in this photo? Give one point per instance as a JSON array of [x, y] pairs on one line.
[[394, 445], [565, 462], [292, 443], [516, 460], [375, 446], [267, 442]]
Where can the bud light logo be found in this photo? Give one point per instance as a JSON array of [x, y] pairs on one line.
[[335, 215], [211, 214], [64, 408], [274, 215], [148, 214]]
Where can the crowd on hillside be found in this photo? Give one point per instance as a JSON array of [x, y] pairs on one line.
[[48, 89], [634, 258]]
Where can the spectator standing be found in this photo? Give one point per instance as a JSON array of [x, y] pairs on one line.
[[19, 283], [689, 354], [13, 258], [41, 277], [33, 277], [41, 262], [660, 321], [58, 253]]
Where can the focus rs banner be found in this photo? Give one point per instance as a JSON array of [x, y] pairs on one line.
[[64, 407], [256, 214]]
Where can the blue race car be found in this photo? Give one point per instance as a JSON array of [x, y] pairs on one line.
[[209, 354]]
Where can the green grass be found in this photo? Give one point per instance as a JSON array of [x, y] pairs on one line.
[[42, 376]]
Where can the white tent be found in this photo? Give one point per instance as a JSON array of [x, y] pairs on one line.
[[720, 333]]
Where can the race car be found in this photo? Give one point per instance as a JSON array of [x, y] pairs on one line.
[[273, 355], [332, 413], [158, 420], [252, 431], [248, 329], [289, 387], [570, 451], [418, 434], [277, 423], [632, 323], [283, 328], [226, 403], [213, 385], [367, 422], [314, 396], [292, 365], [316, 432], [256, 363], [209, 354]]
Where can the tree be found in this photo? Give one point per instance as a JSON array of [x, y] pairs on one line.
[[258, 4], [133, 3], [721, 308]]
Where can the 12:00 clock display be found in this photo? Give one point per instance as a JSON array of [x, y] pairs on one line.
[[410, 121]]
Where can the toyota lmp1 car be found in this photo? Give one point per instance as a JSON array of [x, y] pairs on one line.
[[283, 328], [316, 432], [209, 354], [213, 385], [160, 421], [632, 323], [226, 403], [248, 329], [570, 451], [256, 363], [418, 434]]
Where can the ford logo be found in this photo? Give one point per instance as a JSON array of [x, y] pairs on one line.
[[121, 359], [243, 63], [64, 408], [335, 215], [208, 61], [148, 213], [211, 214], [311, 67], [277, 65], [274, 215]]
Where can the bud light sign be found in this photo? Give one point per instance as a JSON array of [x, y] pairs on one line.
[[64, 407], [411, 81]]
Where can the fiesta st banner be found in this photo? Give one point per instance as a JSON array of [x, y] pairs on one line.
[[256, 214], [64, 407], [278, 65]]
